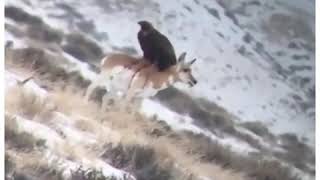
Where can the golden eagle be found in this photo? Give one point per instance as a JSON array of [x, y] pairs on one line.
[[155, 46]]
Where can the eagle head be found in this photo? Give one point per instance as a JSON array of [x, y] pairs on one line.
[[145, 25]]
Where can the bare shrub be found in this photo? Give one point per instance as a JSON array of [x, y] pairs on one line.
[[19, 140], [29, 165], [298, 153], [37, 29], [206, 115], [8, 166], [254, 165], [249, 139], [141, 160], [271, 170], [44, 33], [19, 15], [82, 48], [26, 103], [90, 174], [259, 129], [48, 67]]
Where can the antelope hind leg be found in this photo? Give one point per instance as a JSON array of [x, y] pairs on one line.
[[105, 102], [90, 88], [102, 78], [131, 100]]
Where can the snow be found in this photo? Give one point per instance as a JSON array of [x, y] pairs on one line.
[[252, 77], [251, 83], [66, 126], [18, 43], [79, 66], [68, 166], [178, 122], [12, 79], [264, 144], [302, 174], [39, 9], [57, 132], [54, 141], [39, 131], [8, 36]]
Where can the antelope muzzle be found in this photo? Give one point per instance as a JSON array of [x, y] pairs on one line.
[[192, 81]]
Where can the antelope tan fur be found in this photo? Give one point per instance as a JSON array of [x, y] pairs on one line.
[[136, 77]]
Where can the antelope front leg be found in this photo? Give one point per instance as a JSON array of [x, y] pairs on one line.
[[128, 99], [102, 79], [105, 102], [89, 90], [129, 96], [92, 86]]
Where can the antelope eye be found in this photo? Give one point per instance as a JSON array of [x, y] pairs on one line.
[[186, 70]]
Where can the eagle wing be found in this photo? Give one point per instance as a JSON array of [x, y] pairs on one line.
[[157, 49], [146, 46], [163, 47]]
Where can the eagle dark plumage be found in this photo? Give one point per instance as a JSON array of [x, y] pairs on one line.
[[155, 46]]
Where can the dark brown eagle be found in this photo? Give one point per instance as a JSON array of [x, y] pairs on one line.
[[155, 46]]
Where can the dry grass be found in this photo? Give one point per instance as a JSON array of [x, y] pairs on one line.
[[161, 159], [70, 103], [90, 174], [85, 124], [21, 101], [208, 115], [130, 129], [298, 153], [255, 166], [129, 133], [133, 130], [24, 158], [21, 165], [259, 129], [29, 165], [126, 130], [16, 139]]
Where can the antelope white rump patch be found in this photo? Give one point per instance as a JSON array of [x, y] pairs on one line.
[[148, 91]]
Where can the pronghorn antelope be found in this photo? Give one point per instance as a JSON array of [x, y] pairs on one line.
[[136, 77]]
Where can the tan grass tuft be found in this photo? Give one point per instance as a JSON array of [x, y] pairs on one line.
[[21, 101]]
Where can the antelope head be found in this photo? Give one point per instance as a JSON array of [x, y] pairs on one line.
[[184, 71]]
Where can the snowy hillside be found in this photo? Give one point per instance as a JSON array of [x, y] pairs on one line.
[[255, 66], [273, 82]]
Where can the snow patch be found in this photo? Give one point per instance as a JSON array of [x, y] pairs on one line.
[[151, 108], [12, 79], [79, 66], [39, 131]]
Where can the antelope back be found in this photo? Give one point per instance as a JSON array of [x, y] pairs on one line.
[[118, 70], [117, 60]]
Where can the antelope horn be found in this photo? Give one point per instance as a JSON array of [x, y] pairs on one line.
[[191, 62], [182, 57]]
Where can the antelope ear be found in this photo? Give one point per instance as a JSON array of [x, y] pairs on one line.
[[182, 57], [191, 62]]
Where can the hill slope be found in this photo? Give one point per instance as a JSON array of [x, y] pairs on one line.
[[255, 66]]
